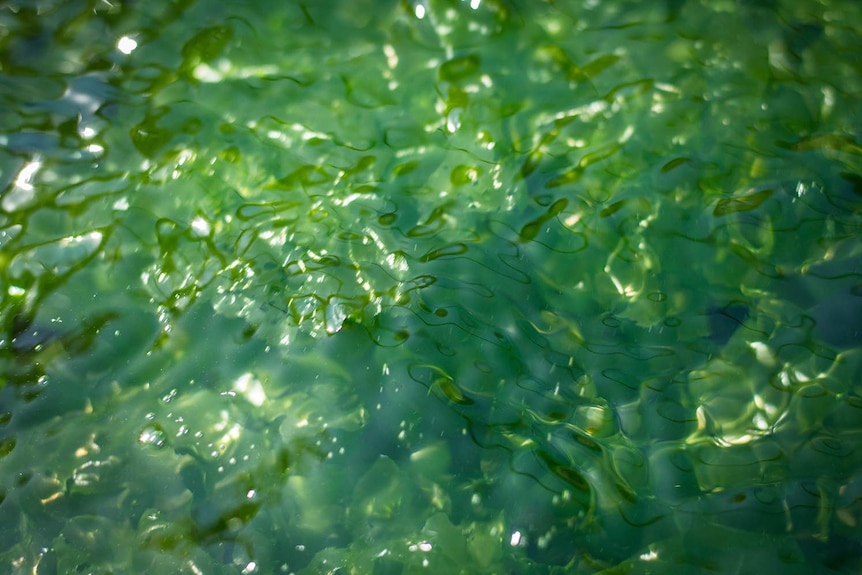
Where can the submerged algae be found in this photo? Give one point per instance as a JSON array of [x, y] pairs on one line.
[[427, 286]]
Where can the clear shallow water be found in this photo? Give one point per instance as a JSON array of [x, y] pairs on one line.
[[502, 288]]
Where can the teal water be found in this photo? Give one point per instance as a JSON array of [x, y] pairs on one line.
[[430, 287]]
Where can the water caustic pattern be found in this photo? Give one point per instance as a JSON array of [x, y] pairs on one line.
[[430, 287]]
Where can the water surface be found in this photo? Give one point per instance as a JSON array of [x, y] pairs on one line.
[[430, 287]]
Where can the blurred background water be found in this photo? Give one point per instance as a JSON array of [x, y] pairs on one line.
[[430, 287]]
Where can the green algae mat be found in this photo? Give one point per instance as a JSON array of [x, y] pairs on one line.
[[430, 287]]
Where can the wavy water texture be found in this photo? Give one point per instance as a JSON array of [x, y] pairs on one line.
[[400, 287]]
